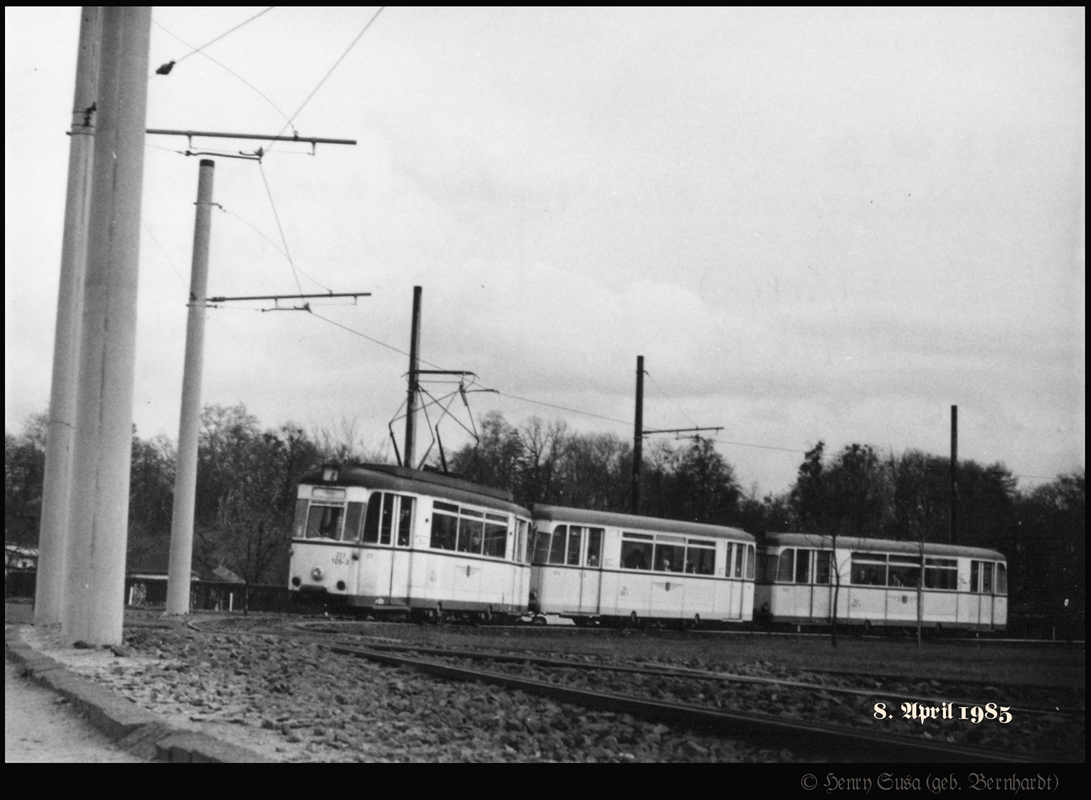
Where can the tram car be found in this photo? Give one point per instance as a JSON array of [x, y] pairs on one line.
[[618, 569], [387, 538], [876, 583]]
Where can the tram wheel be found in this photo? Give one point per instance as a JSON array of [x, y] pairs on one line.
[[694, 623], [539, 619]]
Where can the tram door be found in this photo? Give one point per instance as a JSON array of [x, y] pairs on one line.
[[981, 593], [397, 528], [590, 572], [812, 570]]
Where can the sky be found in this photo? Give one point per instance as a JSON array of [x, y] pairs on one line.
[[814, 224]]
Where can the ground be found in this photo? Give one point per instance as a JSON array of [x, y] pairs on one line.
[[40, 727]]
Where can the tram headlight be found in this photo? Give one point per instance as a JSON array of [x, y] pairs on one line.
[[316, 573], [296, 581]]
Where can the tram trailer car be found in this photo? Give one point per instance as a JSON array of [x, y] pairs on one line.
[[622, 569], [965, 588], [386, 538]]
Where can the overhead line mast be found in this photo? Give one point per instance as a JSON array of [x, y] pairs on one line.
[[185, 486], [639, 433]]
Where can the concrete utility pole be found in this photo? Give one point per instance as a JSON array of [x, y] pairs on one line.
[[954, 474], [99, 508], [185, 477], [414, 380], [638, 437], [52, 536], [639, 433]]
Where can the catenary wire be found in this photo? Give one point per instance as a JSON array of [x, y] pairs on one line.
[[224, 67], [660, 388], [222, 35], [164, 252], [326, 77]]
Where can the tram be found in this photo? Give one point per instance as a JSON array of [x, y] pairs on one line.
[[616, 569], [385, 538], [877, 581]]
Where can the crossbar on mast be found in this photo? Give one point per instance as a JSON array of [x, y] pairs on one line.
[[288, 296], [295, 138]]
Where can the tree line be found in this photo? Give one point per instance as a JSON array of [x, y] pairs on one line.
[[245, 498], [247, 477]]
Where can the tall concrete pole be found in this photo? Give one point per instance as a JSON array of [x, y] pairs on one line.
[[185, 476], [414, 381], [954, 474], [99, 510], [638, 437], [52, 536]]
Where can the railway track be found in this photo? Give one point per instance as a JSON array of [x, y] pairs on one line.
[[801, 736], [807, 715], [897, 695]]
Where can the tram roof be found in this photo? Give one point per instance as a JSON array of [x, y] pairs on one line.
[[388, 477], [634, 522], [875, 545]]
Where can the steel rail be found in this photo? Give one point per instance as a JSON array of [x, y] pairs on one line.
[[864, 745], [674, 672]]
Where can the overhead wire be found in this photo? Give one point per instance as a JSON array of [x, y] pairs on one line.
[[221, 36], [164, 252], [660, 388], [325, 77], [283, 239], [224, 67]]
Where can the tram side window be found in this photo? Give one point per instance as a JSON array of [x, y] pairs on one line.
[[701, 558], [975, 576], [785, 570], [352, 522], [371, 520], [1001, 578], [940, 573], [636, 553], [669, 557], [556, 551], [405, 521], [575, 535], [904, 571], [300, 518], [324, 522], [750, 562], [444, 526], [471, 531], [822, 567], [594, 547], [496, 535], [803, 566], [387, 519], [869, 569]]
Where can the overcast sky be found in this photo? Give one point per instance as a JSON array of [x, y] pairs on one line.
[[813, 224]]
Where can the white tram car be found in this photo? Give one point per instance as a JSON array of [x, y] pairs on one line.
[[621, 569], [381, 537], [964, 588]]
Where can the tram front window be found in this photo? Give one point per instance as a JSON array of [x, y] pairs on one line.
[[324, 522]]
